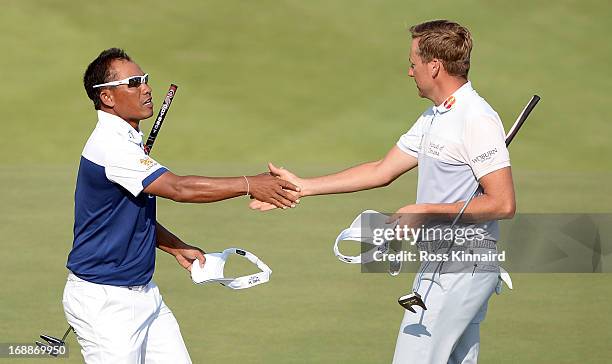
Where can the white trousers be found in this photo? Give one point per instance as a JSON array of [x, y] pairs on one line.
[[449, 330], [122, 325]]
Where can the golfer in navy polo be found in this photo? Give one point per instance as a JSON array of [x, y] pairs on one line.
[[110, 298]]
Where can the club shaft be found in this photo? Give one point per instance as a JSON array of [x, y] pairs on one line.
[[67, 332]]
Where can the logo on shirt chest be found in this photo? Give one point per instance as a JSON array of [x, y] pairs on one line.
[[147, 162], [435, 148]]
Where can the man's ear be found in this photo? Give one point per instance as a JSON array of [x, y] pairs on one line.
[[436, 66], [107, 99]]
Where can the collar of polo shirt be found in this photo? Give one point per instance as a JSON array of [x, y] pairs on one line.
[[121, 126], [452, 100]]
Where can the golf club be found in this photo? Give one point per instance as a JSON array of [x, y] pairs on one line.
[[53, 343]]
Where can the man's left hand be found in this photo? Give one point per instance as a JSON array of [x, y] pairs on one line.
[[410, 215], [187, 254]]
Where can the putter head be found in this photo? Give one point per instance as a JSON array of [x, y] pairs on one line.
[[411, 299], [51, 343], [52, 340]]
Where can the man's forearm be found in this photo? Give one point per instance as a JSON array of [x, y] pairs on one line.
[[497, 201], [364, 176], [167, 241], [357, 178], [185, 254], [482, 208], [209, 189], [198, 189]]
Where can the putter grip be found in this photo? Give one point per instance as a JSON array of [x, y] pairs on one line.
[[160, 118], [528, 109]]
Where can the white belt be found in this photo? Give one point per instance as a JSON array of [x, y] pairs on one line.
[[74, 278]]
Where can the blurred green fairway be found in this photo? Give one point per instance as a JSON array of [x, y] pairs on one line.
[[314, 86]]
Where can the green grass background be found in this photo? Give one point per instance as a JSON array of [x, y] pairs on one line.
[[314, 86]]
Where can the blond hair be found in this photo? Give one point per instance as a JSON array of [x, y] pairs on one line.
[[447, 41]]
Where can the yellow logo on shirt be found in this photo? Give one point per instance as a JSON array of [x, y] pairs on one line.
[[147, 162]]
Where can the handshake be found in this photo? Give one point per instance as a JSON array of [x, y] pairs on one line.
[[283, 191]]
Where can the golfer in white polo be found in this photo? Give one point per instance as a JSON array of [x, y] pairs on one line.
[[457, 144]]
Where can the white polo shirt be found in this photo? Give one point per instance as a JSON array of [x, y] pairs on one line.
[[456, 143], [114, 222]]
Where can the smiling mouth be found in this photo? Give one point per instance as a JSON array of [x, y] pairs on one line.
[[149, 102]]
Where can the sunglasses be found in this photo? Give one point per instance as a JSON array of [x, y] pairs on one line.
[[133, 81]]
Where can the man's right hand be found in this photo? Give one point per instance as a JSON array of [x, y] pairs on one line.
[[281, 174], [272, 191]]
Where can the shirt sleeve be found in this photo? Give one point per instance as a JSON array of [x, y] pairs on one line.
[[410, 143], [485, 144], [131, 168]]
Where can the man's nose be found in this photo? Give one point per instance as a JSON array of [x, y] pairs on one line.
[[411, 72], [146, 88]]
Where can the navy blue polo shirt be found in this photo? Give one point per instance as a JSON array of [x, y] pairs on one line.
[[114, 221]]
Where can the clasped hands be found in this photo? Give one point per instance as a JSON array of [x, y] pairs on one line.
[[286, 175]]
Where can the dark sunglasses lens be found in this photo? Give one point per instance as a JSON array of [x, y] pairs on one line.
[[134, 81], [138, 80]]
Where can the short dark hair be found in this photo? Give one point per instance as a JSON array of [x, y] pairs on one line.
[[99, 71], [447, 41]]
